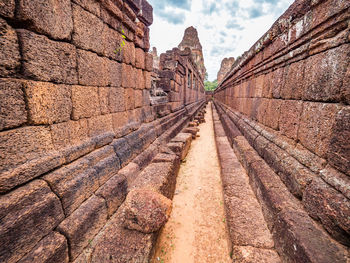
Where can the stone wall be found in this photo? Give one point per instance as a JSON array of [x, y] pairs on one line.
[[73, 111], [289, 96], [225, 67]]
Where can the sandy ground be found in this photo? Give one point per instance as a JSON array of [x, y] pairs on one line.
[[196, 230]]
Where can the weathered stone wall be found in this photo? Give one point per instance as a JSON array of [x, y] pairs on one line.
[[225, 67], [289, 96], [73, 112]]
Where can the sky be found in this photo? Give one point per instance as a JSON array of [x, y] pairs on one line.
[[226, 28]]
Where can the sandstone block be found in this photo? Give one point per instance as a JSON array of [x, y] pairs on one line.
[[148, 79], [146, 97], [277, 82], [92, 69], [48, 60], [52, 248], [140, 58], [128, 76], [146, 14], [336, 179], [273, 114], [119, 122], [7, 8], [111, 99], [325, 73], [129, 98], [9, 48], [339, 150], [87, 30], [128, 52], [316, 126], [290, 117], [130, 172], [92, 6], [138, 98], [48, 103], [111, 43], [114, 73], [98, 125], [27, 214], [85, 102], [114, 191], [249, 254], [145, 210], [186, 139], [123, 151], [293, 86], [330, 207], [84, 224], [148, 62], [12, 105], [140, 80], [53, 19]]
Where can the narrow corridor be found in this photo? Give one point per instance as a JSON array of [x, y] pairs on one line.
[[196, 230]]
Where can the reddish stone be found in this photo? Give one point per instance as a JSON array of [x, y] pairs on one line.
[[7, 8], [289, 118], [138, 98], [93, 70], [128, 76], [145, 210], [293, 87], [53, 19], [148, 62], [100, 124], [9, 48], [129, 98], [92, 6], [84, 224], [52, 248], [146, 14], [139, 58], [250, 254], [277, 82], [324, 77], [47, 60], [111, 43], [85, 102], [140, 80], [48, 103], [273, 114], [12, 105], [128, 52], [27, 215], [316, 126]]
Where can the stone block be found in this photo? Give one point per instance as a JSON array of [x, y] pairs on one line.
[[111, 99], [92, 6], [330, 207], [148, 62], [88, 29], [148, 80], [13, 111], [48, 103], [119, 122], [146, 14], [114, 73], [27, 215], [273, 114], [92, 69], [145, 210], [129, 98], [138, 98], [293, 85], [123, 151], [277, 82], [130, 172], [146, 97], [336, 179], [114, 192], [53, 19], [9, 47], [324, 77], [140, 58], [84, 224], [290, 117], [339, 148], [7, 8], [85, 102], [111, 43], [316, 126], [52, 248], [47, 60], [128, 76], [250, 254], [140, 80], [99, 125], [128, 53]]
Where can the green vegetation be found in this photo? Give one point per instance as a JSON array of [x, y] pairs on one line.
[[210, 85]]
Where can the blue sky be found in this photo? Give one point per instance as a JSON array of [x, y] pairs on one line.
[[226, 28]]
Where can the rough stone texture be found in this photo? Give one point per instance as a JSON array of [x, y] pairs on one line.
[[52, 248], [7, 8], [289, 118], [27, 214], [9, 48], [84, 224], [47, 60], [145, 210], [53, 19], [12, 105], [225, 67], [85, 101], [48, 103], [248, 254]]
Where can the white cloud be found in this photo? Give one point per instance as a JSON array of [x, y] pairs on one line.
[[226, 28]]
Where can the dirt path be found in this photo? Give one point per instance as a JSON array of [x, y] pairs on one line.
[[196, 230]]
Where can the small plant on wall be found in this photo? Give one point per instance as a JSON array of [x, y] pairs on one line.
[[122, 44]]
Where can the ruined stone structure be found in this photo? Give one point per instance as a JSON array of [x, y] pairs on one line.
[[285, 109], [78, 131], [225, 67]]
